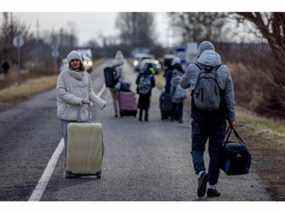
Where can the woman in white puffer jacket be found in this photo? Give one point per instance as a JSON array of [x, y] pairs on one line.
[[75, 93]]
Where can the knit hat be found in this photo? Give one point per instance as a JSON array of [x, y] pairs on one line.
[[74, 55], [205, 45]]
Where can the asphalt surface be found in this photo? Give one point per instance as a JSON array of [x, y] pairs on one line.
[[144, 161]]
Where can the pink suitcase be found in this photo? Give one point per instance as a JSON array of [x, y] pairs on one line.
[[127, 104]]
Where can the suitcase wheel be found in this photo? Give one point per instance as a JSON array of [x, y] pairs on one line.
[[69, 175]]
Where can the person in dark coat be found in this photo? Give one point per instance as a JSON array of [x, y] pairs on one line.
[[5, 67], [145, 83]]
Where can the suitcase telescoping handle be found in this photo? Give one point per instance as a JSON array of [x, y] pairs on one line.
[[229, 132], [90, 118]]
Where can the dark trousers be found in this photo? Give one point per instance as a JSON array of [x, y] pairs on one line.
[[145, 114], [208, 128], [177, 111]]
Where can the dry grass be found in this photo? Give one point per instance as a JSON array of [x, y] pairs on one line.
[[275, 127], [17, 93], [266, 141]]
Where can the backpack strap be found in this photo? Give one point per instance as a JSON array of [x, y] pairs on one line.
[[216, 74], [215, 69], [198, 78], [198, 65]]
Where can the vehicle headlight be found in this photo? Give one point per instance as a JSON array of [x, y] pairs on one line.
[[136, 63]]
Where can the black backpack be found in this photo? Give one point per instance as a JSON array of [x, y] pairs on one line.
[[145, 85], [109, 75], [235, 157], [207, 94]]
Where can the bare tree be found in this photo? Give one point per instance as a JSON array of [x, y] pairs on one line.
[[9, 29], [62, 40], [198, 26], [272, 28], [136, 29]]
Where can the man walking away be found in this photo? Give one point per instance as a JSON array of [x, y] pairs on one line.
[[213, 104]]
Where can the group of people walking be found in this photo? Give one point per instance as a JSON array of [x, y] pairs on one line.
[[212, 98]]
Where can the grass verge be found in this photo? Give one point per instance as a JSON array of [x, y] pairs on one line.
[[266, 141], [17, 93]]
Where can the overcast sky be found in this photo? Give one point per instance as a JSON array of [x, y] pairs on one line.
[[87, 25]]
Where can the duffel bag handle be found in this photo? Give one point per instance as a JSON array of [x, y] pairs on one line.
[[229, 132]]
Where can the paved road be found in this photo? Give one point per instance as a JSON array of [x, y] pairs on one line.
[[143, 161]]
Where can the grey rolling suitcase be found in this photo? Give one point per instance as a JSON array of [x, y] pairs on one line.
[[85, 149]]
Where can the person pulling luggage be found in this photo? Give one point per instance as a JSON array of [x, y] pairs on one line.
[[145, 83], [75, 94], [118, 64], [178, 94], [213, 103]]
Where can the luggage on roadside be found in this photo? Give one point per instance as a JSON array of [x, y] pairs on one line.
[[85, 149], [123, 86], [127, 103], [165, 105], [110, 77], [235, 157]]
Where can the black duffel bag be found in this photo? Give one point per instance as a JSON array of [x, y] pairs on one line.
[[235, 157]]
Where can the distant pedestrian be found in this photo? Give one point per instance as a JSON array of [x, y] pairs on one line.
[[168, 73], [117, 64], [75, 93], [178, 94], [145, 83], [5, 66], [213, 103]]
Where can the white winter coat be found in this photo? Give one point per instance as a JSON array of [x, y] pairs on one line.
[[72, 88]]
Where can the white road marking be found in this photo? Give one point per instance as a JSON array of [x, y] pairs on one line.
[[44, 180]]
